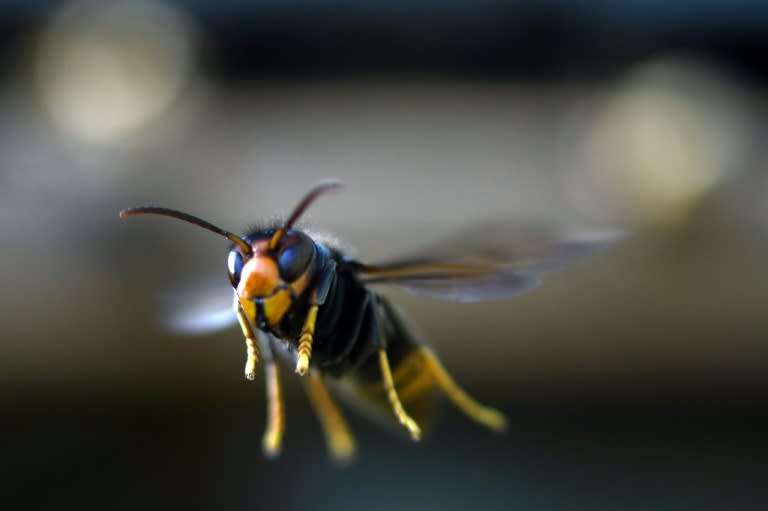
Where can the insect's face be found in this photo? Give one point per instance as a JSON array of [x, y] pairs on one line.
[[271, 280]]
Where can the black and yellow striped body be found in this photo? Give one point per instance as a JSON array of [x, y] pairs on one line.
[[314, 302], [352, 324], [415, 382]]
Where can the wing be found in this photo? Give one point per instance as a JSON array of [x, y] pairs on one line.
[[505, 267], [198, 308]]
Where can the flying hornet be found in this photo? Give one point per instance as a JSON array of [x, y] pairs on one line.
[[299, 296]]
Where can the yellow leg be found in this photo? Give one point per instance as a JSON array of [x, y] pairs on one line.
[[341, 443], [484, 415], [250, 342], [394, 400], [305, 341], [272, 440]]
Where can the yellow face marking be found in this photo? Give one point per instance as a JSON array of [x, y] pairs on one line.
[[249, 308], [260, 278], [276, 306]]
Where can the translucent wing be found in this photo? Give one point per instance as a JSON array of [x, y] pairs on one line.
[[494, 286], [198, 308], [506, 266]]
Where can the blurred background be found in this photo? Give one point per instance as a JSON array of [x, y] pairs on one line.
[[634, 380]]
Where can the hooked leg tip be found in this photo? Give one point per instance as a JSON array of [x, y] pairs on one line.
[[302, 364]]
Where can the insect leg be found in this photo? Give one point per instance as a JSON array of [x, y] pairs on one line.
[[394, 400], [341, 443], [484, 415], [272, 440], [317, 298], [304, 351], [250, 341]]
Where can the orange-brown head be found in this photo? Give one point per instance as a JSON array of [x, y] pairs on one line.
[[268, 281]]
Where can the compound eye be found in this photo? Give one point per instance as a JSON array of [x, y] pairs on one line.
[[294, 256], [234, 266]]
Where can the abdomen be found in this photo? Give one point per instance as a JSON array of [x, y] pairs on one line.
[[415, 385]]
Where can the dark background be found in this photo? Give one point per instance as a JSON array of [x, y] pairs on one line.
[[634, 380]]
